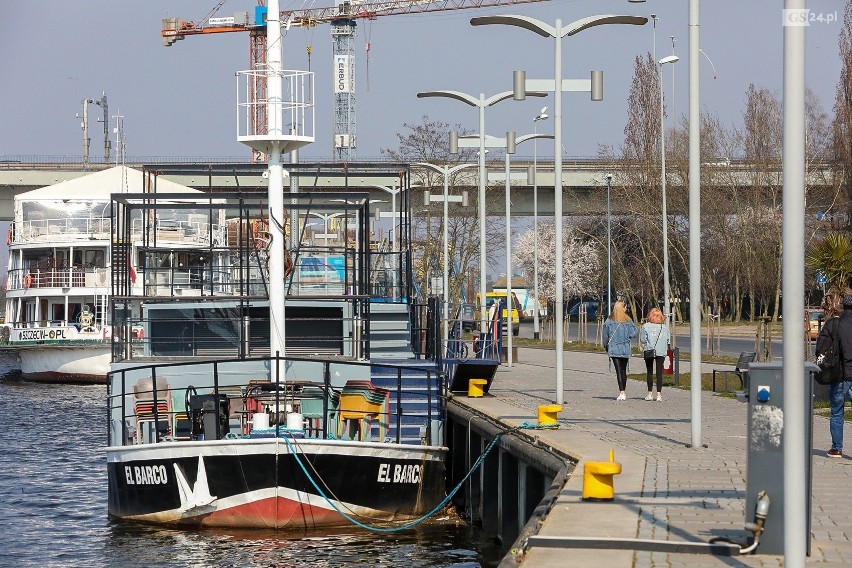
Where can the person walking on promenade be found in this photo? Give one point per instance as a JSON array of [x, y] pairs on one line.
[[655, 340], [838, 312], [618, 330]]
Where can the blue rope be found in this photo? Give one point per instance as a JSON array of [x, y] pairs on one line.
[[438, 507]]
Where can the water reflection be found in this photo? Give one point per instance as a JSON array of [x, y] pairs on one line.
[[53, 499], [426, 546]]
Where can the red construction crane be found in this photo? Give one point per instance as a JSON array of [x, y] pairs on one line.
[[342, 16]]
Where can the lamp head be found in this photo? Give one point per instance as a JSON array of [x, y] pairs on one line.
[[669, 59], [608, 177]]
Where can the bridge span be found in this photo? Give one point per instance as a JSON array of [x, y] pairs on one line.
[[584, 182]]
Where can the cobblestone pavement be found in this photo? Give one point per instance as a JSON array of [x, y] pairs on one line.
[[668, 490]]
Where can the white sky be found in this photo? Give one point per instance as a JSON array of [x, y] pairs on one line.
[[180, 101]]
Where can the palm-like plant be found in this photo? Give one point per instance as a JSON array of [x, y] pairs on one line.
[[832, 257]]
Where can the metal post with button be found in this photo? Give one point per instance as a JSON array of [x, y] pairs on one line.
[[765, 439]]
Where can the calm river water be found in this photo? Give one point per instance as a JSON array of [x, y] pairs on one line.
[[53, 504]]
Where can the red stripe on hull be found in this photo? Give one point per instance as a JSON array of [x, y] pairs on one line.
[[271, 513]]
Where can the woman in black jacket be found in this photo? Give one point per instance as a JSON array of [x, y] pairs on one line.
[[838, 311]]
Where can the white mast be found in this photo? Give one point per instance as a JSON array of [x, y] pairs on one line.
[[289, 126]]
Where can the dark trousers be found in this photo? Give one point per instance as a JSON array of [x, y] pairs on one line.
[[649, 366], [620, 364]]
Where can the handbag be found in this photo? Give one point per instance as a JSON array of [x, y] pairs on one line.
[[652, 353]]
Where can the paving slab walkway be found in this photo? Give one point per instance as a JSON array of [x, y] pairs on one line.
[[667, 490]]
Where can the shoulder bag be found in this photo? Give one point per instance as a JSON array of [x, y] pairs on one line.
[[651, 353]]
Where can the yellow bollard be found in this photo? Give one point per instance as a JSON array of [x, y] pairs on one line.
[[597, 479], [547, 415], [476, 388]]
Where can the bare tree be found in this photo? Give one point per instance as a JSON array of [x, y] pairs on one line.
[[429, 142], [842, 125], [760, 217], [639, 245]]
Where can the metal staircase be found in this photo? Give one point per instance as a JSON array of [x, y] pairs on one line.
[[416, 395], [390, 334]]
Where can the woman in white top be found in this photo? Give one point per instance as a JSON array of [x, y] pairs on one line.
[[655, 337]]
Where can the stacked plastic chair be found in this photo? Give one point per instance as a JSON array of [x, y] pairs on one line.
[[362, 403], [311, 401], [157, 414]]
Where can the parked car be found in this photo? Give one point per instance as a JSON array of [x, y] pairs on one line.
[[592, 308]]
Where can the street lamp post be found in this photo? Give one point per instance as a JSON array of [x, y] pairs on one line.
[[666, 290], [536, 327], [608, 244], [446, 171], [510, 149], [508, 144], [558, 86], [480, 103]]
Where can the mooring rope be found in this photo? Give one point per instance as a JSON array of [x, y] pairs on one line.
[[438, 507]]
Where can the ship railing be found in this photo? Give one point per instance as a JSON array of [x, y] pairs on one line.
[[187, 231], [40, 230], [72, 277], [271, 397]]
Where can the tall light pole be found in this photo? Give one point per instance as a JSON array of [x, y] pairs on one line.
[[666, 291], [494, 142], [541, 116], [694, 226], [654, 44], [796, 419], [481, 103], [446, 171], [608, 243], [558, 86], [510, 149]]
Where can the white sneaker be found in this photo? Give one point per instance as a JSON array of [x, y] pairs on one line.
[[621, 396], [659, 397], [649, 397]]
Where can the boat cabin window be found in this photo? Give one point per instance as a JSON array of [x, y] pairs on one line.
[[58, 312], [90, 258]]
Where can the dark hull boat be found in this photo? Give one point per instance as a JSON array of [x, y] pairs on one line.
[[263, 483], [206, 428]]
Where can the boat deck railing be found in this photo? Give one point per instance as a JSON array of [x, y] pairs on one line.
[[191, 232], [272, 397], [71, 277]]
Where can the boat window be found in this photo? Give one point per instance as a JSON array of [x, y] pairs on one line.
[[57, 312], [90, 258], [94, 258]]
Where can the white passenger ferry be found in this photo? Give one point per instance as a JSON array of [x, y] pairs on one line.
[[60, 273]]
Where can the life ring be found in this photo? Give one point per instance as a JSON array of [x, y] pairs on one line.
[[28, 280], [9, 237]]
